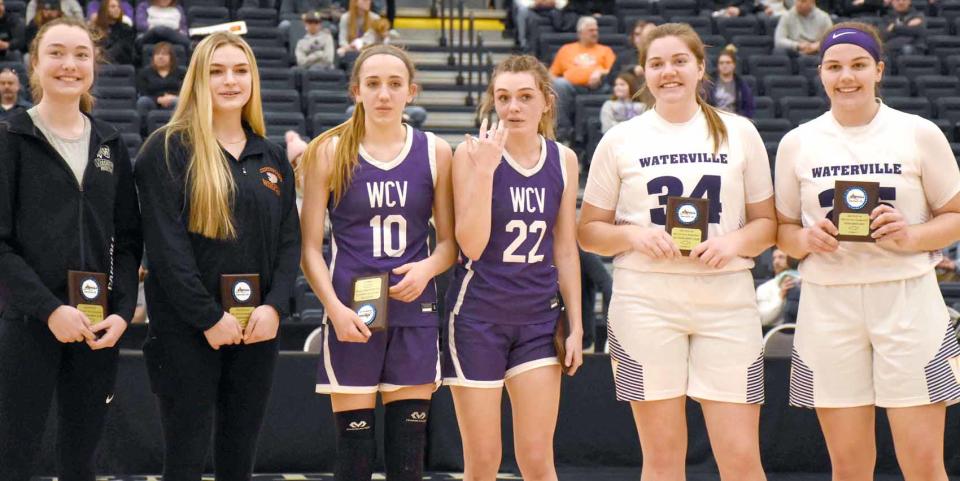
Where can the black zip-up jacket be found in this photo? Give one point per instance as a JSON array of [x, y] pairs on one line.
[[183, 287], [50, 223]]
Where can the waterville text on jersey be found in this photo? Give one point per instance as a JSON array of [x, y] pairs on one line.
[[697, 158], [856, 169]]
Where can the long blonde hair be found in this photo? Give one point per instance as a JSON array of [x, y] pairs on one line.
[[686, 34], [209, 180], [86, 98], [352, 13], [352, 131], [529, 64]]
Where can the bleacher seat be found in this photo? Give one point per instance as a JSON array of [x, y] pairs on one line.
[[116, 75], [714, 45], [286, 100], [778, 86], [762, 65], [272, 57], [322, 78], [937, 26], [731, 27], [748, 45], [943, 45], [323, 121], [278, 123], [948, 108], [206, 3], [125, 120], [936, 86], [679, 8], [587, 106], [258, 17], [771, 148], [277, 78], [764, 108], [751, 82], [895, 86], [608, 24], [769, 25], [133, 142], [16, 8], [115, 97], [702, 25], [772, 130], [263, 37], [808, 66], [911, 66], [951, 65], [157, 119], [335, 101], [203, 16], [949, 9], [635, 8], [914, 105], [551, 42], [801, 109]]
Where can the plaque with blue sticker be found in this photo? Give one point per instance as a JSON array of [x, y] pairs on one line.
[[369, 300], [852, 204], [687, 221], [240, 295], [88, 293]]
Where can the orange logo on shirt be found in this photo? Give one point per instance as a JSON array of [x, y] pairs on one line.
[[271, 179]]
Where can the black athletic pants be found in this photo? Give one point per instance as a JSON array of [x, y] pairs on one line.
[[201, 390], [34, 365]]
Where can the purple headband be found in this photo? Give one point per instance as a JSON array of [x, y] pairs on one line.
[[852, 36]]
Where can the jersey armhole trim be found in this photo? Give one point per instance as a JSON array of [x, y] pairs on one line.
[[432, 156], [562, 150]]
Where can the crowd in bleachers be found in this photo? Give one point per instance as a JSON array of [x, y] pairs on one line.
[[302, 46], [774, 80]]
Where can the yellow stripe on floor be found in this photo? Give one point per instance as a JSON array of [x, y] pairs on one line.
[[434, 24]]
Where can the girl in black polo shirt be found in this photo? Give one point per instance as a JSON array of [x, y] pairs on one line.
[[218, 199]]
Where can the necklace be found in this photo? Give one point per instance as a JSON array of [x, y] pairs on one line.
[[231, 143]]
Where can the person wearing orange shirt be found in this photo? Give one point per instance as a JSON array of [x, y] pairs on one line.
[[579, 67]]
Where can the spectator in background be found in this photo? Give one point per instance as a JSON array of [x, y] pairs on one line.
[[117, 37], [772, 294], [93, 6], [10, 100], [731, 8], [628, 58], [162, 21], [353, 25], [799, 30], [316, 48], [578, 67], [526, 11], [49, 11], [591, 7], [70, 8], [12, 33], [159, 83], [859, 8], [772, 8], [621, 106], [380, 33], [729, 92], [905, 30], [946, 269]]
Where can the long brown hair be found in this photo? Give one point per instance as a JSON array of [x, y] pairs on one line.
[[352, 13], [86, 98], [351, 132], [528, 64], [686, 34], [209, 180], [103, 21]]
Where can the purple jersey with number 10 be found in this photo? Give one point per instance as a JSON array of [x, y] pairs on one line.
[[515, 281], [382, 222]]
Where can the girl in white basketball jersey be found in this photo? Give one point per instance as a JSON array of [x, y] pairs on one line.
[[683, 326], [872, 326]]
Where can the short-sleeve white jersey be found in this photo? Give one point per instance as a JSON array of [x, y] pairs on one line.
[[906, 154], [643, 161]]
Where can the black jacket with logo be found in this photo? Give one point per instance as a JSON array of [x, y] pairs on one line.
[[183, 286], [50, 223]]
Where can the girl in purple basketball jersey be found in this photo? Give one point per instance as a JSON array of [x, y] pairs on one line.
[[515, 193], [381, 182]]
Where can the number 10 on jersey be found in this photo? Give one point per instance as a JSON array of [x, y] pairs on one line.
[[384, 242]]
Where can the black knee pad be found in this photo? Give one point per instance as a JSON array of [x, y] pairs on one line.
[[356, 445], [405, 438]]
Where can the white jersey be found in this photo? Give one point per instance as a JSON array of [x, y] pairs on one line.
[[643, 161], [906, 154]]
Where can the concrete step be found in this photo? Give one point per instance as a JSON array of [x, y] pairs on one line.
[[440, 58], [441, 98], [450, 120], [423, 10], [491, 41]]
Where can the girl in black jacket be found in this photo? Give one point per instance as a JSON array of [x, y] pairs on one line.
[[218, 200], [68, 208]]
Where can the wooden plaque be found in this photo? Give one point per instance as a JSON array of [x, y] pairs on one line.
[[88, 293], [370, 299], [852, 204], [687, 221], [240, 295]]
